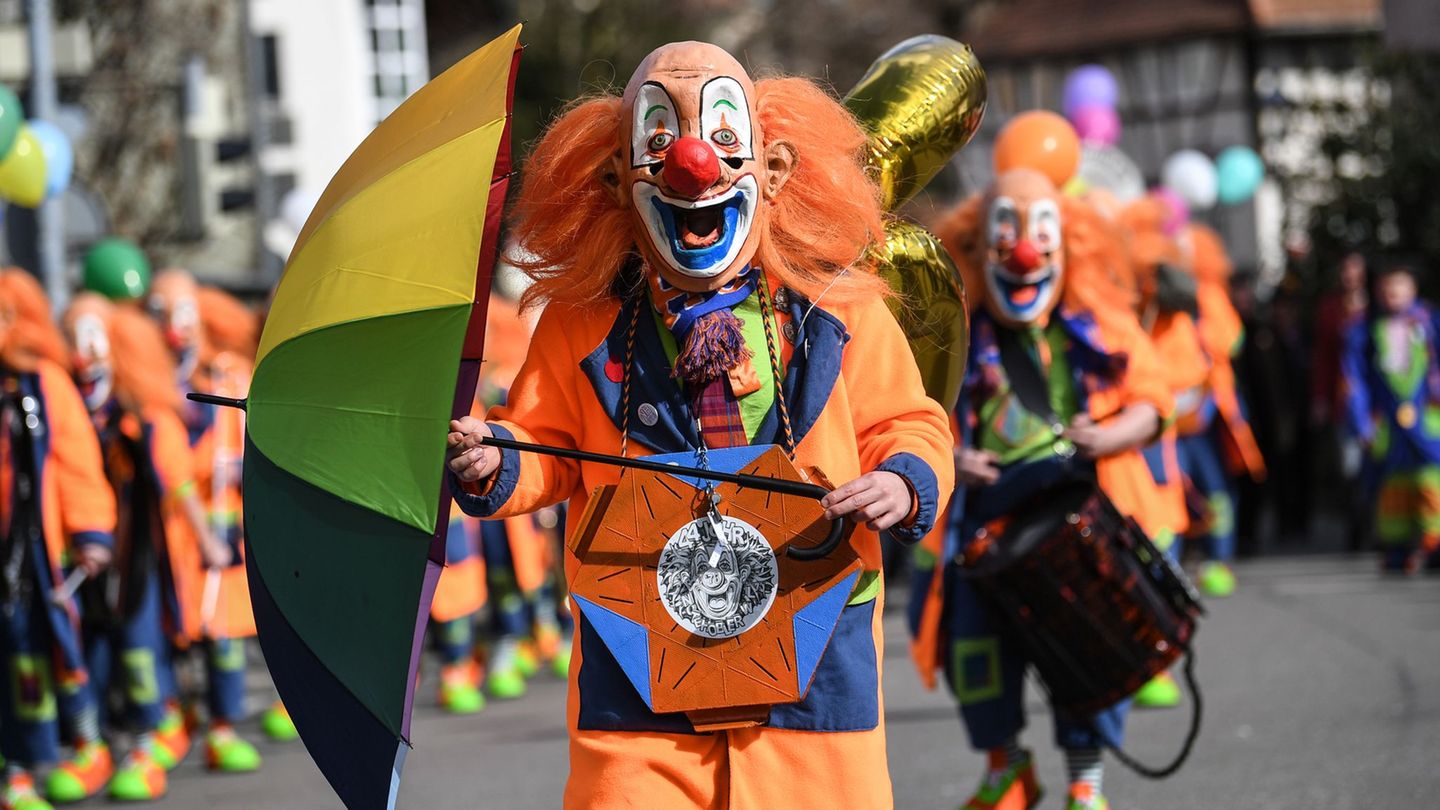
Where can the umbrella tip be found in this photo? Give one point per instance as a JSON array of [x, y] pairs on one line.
[[211, 399]]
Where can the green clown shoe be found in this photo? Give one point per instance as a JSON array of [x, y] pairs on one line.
[[277, 725], [225, 751], [1216, 580], [19, 793], [460, 689], [139, 779], [506, 684], [560, 664], [1086, 800], [1160, 692]]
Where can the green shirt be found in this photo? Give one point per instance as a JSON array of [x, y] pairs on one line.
[[755, 406], [1010, 431]]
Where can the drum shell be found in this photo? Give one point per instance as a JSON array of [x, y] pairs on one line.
[[1093, 603]]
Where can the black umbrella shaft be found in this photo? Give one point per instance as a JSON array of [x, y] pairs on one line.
[[212, 399], [760, 482]]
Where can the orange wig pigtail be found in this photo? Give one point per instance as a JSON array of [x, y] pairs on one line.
[[1208, 257], [572, 233], [144, 370], [959, 231], [1098, 272], [828, 214], [226, 325], [33, 334]]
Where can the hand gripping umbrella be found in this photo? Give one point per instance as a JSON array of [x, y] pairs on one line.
[[372, 344]]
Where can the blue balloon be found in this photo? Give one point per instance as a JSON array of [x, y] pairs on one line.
[[59, 155], [1239, 172], [1089, 86]]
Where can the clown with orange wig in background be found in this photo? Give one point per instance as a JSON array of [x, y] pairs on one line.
[[699, 245], [1217, 444], [1062, 385], [127, 381], [57, 517], [212, 339]]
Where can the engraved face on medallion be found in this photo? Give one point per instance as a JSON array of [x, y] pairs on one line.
[[717, 589]]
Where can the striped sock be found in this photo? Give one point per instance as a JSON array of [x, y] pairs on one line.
[[1006, 755], [87, 725], [1086, 768]]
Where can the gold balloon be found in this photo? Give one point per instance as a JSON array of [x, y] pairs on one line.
[[930, 306], [920, 102]]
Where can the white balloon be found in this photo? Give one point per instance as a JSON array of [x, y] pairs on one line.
[[1108, 168], [1191, 174]]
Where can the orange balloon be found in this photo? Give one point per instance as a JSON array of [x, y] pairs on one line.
[[1039, 140]]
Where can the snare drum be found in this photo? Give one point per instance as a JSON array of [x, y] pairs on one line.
[[1097, 607]]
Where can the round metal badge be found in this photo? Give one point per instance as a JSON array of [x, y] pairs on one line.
[[717, 589]]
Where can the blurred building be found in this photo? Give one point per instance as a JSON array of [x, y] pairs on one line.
[[1203, 74], [205, 129]]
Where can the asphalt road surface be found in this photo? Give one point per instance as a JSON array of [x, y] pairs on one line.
[[1321, 685]]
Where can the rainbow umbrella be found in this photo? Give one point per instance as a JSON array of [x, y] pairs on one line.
[[372, 344]]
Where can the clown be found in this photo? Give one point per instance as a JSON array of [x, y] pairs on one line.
[[129, 386], [699, 246], [67, 520], [1217, 444], [1061, 383], [212, 339]]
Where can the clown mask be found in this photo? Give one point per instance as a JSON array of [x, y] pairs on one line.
[[693, 165], [1024, 251], [90, 346], [173, 305]]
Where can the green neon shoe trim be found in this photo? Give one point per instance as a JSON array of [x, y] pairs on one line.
[[1160, 692], [505, 684], [1217, 580]]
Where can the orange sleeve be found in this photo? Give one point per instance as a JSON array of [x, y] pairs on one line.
[[543, 407], [170, 452], [1144, 380], [1220, 325], [86, 501], [897, 427]]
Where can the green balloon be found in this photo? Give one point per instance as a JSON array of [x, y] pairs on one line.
[[12, 115], [117, 269]]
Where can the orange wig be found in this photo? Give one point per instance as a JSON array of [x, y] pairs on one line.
[[33, 334], [574, 238], [144, 369], [226, 325]]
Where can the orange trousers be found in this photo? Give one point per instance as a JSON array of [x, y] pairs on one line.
[[746, 769], [760, 768]]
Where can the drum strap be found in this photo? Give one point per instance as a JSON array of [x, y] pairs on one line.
[[1026, 378]]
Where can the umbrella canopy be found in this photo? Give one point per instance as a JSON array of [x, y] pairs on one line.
[[372, 344]]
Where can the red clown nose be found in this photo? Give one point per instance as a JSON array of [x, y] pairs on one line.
[[691, 167], [1023, 259]]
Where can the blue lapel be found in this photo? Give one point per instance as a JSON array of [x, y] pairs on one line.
[[809, 379]]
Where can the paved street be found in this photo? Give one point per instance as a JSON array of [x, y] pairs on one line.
[[1321, 683]]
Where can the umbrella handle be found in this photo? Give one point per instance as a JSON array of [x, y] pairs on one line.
[[761, 482]]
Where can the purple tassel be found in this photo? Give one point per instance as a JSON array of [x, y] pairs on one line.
[[713, 347]]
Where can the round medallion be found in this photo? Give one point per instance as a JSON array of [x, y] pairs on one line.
[[648, 414], [717, 589]]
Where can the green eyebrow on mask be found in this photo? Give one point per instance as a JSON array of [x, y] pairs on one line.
[[727, 103], [653, 108]]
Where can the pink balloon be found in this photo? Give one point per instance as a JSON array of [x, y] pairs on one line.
[[1179, 212], [1096, 125]]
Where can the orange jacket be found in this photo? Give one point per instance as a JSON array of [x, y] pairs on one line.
[[217, 455], [77, 504], [861, 403]]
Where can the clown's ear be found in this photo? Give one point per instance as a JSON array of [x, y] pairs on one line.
[[610, 172], [780, 161]]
